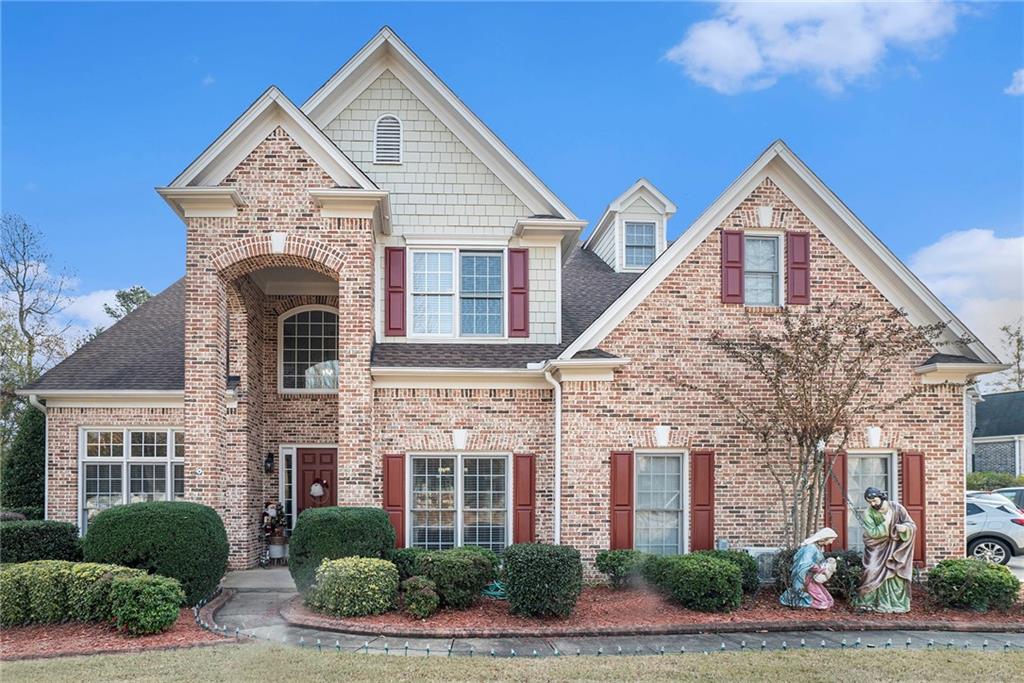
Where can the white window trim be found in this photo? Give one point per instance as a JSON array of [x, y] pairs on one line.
[[780, 236], [459, 456], [401, 140], [280, 349], [684, 456], [126, 460], [658, 231], [457, 293]]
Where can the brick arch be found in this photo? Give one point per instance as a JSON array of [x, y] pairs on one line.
[[255, 253]]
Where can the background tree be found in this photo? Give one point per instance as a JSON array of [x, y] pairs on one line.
[[1013, 345], [806, 386], [126, 301], [23, 468]]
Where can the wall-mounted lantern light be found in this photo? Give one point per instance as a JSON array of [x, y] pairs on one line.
[[268, 463]]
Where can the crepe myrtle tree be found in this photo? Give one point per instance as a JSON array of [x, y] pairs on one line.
[[802, 387]]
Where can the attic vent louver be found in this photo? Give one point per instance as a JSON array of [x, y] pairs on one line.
[[387, 140]]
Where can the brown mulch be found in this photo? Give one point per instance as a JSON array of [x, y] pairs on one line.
[[602, 611], [55, 640]]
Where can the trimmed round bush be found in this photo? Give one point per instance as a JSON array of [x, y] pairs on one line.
[[183, 541], [354, 587], [843, 584], [421, 599], [26, 541], [743, 561], [26, 511], [543, 580], [142, 605], [406, 560], [459, 574], [653, 569], [335, 532], [622, 567], [972, 584], [703, 582]]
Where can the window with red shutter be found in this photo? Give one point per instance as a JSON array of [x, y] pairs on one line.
[[394, 292], [702, 500], [836, 511], [913, 498], [394, 494], [798, 268], [518, 293], [732, 266], [524, 495], [621, 532]]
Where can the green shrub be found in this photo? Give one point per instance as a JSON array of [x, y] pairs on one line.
[[459, 574], [89, 585], [15, 606], [653, 569], [703, 582], [486, 560], [972, 584], [334, 532], [354, 587], [38, 540], [421, 599], [142, 605], [23, 468], [27, 511], [622, 567], [743, 561], [406, 560], [843, 584], [543, 580], [987, 481], [183, 541]]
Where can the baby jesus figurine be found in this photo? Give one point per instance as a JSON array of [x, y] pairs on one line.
[[810, 572]]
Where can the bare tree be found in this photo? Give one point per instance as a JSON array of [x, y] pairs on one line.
[[806, 386], [1013, 343]]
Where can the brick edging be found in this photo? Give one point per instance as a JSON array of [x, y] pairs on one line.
[[293, 613], [208, 612]]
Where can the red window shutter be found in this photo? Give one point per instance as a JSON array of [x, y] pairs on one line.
[[702, 500], [524, 499], [798, 268], [732, 266], [394, 292], [394, 494], [621, 532], [518, 293], [836, 510], [912, 481]]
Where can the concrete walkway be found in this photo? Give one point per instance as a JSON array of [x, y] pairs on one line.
[[260, 593]]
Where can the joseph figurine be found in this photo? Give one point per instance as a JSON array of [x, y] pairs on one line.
[[888, 555]]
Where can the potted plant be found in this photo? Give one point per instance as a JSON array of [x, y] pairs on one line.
[[273, 524]]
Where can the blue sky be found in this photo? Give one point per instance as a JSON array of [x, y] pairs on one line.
[[904, 113]]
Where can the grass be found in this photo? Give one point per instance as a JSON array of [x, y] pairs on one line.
[[253, 662]]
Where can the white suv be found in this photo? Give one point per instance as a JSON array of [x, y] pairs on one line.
[[995, 530]]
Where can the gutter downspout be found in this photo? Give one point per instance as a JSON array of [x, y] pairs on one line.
[[557, 389], [34, 401]]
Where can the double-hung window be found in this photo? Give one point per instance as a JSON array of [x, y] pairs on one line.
[[761, 280], [660, 504], [459, 500], [640, 244], [433, 292], [130, 466], [864, 470], [480, 294], [455, 285]]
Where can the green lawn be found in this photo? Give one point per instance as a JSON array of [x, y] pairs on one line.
[[256, 662]]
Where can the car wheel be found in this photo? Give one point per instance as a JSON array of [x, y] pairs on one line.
[[990, 549]]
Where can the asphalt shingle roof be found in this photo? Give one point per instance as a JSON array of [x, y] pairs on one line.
[[1000, 415]]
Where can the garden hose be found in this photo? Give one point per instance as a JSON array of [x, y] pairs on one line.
[[496, 590]]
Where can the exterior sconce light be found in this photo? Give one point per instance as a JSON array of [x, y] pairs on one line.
[[268, 463], [459, 439], [874, 437], [661, 433]]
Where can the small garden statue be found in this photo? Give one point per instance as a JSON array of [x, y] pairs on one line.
[[810, 572], [888, 555]]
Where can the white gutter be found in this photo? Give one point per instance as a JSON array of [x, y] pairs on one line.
[[34, 400], [557, 390]]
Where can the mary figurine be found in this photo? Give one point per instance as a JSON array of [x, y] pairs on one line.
[[809, 573]]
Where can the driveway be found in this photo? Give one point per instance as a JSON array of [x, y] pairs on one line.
[[1017, 566]]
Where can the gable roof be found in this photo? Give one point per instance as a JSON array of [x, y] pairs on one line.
[[386, 51], [270, 110], [835, 220], [1000, 415]]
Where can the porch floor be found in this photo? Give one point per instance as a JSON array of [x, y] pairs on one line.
[[271, 579]]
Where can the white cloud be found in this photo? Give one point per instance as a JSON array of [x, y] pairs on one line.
[[86, 310], [749, 46], [1016, 86], [208, 80], [979, 276]]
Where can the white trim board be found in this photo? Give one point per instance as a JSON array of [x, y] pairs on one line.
[[868, 254]]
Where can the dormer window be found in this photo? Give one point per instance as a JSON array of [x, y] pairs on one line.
[[641, 244], [387, 140]]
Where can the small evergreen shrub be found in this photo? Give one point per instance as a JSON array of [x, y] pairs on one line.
[[459, 574], [23, 467], [987, 481], [972, 584], [335, 532], [654, 569], [622, 567], [543, 580], [29, 512], [25, 541], [421, 599], [89, 586], [843, 584], [405, 559], [703, 582], [743, 561], [354, 587], [183, 541], [142, 605]]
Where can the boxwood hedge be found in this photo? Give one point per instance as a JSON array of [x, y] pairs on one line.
[[25, 541], [543, 580], [334, 532]]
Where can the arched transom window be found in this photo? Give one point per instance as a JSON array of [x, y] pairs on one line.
[[308, 359]]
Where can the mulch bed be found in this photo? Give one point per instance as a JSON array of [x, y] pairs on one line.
[[55, 640], [602, 611]]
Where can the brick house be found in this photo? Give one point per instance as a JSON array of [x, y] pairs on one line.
[[381, 298]]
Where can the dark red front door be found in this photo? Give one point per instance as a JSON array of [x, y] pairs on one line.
[[318, 474]]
